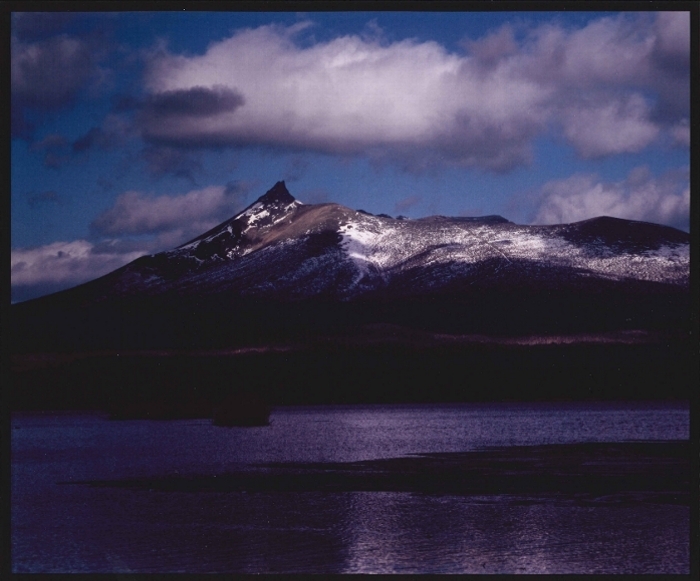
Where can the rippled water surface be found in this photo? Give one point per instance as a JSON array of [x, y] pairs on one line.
[[60, 524]]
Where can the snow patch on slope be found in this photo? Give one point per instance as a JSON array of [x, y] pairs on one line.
[[358, 244], [376, 246]]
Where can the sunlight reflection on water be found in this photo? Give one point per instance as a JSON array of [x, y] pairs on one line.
[[62, 528]]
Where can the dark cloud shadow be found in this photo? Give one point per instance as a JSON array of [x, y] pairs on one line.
[[196, 102]]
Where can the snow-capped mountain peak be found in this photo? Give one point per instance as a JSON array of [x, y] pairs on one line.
[[280, 249], [240, 235]]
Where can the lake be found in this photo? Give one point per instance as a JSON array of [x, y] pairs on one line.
[[356, 489]]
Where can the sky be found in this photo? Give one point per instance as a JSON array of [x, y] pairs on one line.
[[133, 132]]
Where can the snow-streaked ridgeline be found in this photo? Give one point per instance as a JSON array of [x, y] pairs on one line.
[[280, 248]]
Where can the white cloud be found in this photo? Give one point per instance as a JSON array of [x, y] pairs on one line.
[[612, 50], [418, 102], [681, 133], [349, 95], [197, 210], [64, 263], [673, 33], [610, 128], [641, 196]]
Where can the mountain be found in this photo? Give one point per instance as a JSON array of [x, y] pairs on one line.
[[279, 248], [281, 268]]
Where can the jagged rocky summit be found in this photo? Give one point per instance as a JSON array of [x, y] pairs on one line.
[[482, 274]]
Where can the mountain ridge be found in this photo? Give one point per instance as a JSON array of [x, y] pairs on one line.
[[338, 266], [371, 249]]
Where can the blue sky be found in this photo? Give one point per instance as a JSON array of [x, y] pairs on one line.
[[134, 132]]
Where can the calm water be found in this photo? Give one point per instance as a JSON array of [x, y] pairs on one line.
[[58, 527]]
